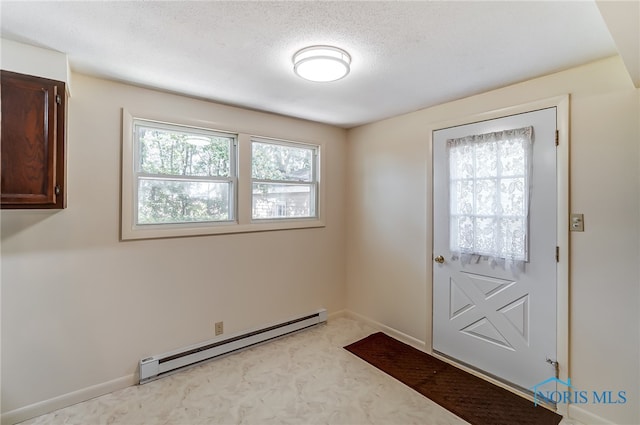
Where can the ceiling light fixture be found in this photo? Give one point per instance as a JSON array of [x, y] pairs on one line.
[[321, 63]]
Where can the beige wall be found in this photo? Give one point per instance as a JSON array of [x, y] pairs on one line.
[[388, 273], [80, 308]]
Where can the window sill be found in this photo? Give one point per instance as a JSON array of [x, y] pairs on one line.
[[207, 229]]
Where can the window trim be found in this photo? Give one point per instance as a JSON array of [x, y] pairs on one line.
[[243, 223]]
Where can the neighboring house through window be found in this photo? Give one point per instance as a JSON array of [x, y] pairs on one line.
[[284, 180]]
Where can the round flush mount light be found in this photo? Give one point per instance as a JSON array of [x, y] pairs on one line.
[[321, 63]]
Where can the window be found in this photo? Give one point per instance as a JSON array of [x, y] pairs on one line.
[[189, 178], [489, 177], [183, 175], [284, 180]]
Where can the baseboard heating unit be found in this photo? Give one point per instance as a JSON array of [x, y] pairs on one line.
[[155, 367]]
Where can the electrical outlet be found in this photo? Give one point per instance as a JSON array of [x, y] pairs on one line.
[[219, 328]]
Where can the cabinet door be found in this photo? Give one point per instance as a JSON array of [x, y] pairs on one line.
[[32, 142]]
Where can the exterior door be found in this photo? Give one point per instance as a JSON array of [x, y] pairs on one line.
[[494, 314]]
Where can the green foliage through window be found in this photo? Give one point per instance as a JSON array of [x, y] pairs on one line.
[[184, 176], [182, 154], [281, 162]]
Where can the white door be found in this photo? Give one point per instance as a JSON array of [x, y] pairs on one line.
[[496, 316]]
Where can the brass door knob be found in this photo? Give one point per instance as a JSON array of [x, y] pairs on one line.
[[439, 259]]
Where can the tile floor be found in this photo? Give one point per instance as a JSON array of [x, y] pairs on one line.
[[305, 378]]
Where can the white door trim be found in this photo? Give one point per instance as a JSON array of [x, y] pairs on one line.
[[561, 103]]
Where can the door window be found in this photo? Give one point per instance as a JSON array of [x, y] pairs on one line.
[[489, 177]]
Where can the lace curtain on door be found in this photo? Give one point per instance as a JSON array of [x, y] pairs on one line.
[[489, 185]]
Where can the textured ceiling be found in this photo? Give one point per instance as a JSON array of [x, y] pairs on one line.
[[406, 55]]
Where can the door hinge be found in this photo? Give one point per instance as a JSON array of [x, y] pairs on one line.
[[58, 99], [557, 254], [557, 137]]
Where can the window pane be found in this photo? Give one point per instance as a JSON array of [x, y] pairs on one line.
[[512, 237], [512, 197], [485, 235], [283, 200], [513, 158], [486, 160], [460, 161], [462, 233], [486, 197], [170, 201], [462, 193], [179, 153], [279, 162]]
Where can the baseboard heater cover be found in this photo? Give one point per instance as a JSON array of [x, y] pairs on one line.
[[155, 367]]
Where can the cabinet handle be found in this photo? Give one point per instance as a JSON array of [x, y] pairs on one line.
[[57, 189]]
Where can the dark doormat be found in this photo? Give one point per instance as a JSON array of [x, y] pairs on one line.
[[473, 399]]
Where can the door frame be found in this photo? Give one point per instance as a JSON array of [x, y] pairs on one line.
[[561, 103]]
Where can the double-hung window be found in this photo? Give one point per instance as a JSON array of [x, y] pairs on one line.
[[182, 175], [284, 180], [187, 179]]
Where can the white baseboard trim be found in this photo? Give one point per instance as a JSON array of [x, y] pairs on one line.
[[407, 339], [47, 406], [585, 417]]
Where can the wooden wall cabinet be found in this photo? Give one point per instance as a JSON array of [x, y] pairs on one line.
[[33, 142]]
